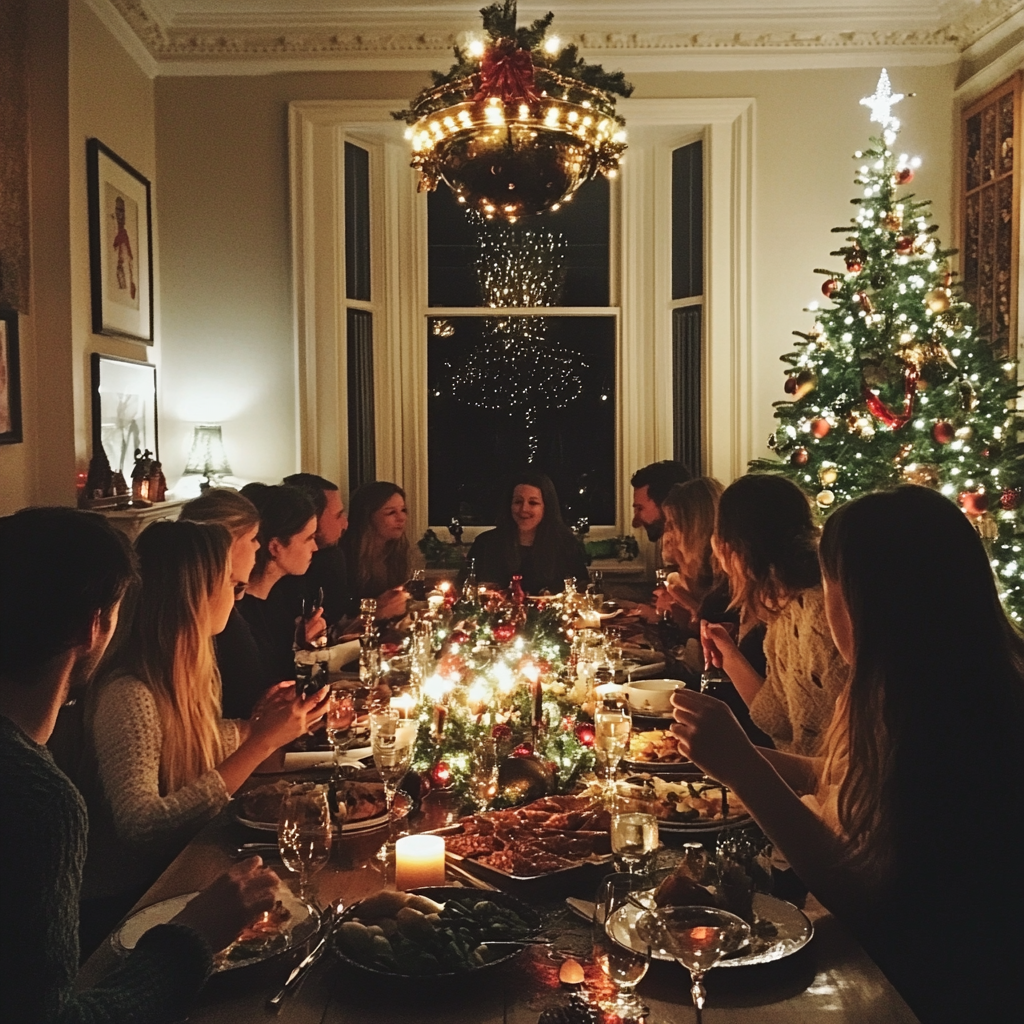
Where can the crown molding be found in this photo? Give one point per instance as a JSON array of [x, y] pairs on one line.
[[219, 44]]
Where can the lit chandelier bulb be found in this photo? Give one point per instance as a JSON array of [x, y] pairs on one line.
[[475, 48], [552, 45]]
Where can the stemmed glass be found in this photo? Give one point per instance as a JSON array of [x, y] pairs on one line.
[[624, 967], [698, 937], [634, 842], [305, 833], [341, 715], [392, 739], [612, 724]]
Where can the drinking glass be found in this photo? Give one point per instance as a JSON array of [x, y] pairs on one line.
[[624, 968], [392, 739], [634, 842], [612, 724], [341, 716], [698, 937], [305, 833]]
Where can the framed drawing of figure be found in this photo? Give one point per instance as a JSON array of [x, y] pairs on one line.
[[10, 379], [123, 410], [120, 246]]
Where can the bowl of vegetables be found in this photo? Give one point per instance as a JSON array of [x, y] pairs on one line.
[[436, 932]]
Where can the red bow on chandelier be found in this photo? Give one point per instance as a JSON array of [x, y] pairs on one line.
[[507, 72]]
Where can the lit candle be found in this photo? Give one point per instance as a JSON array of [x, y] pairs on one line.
[[419, 861], [403, 704]]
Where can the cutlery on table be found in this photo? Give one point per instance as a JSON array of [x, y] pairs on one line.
[[308, 962]]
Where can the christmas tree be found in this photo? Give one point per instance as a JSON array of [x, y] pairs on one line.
[[892, 383]]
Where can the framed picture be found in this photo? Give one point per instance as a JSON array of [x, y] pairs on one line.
[[120, 246], [123, 410], [10, 379]]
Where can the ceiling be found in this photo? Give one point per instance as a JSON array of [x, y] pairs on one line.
[[252, 36]]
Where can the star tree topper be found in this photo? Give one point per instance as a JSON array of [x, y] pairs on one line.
[[882, 102]]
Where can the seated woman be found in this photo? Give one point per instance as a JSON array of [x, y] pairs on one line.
[[530, 540], [287, 542], [165, 760], [766, 541], [928, 734], [376, 548], [243, 676]]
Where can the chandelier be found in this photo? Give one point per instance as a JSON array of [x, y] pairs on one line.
[[519, 123]]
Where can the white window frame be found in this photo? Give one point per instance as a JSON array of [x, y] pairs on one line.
[[640, 290]]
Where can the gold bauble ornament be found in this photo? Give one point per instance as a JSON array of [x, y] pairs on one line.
[[965, 433], [937, 300], [922, 474], [825, 498], [924, 352], [828, 475], [892, 221]]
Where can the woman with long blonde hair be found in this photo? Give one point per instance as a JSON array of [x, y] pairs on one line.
[[927, 736], [165, 760]]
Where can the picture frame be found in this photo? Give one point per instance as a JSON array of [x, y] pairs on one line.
[[10, 379], [120, 245], [124, 413]]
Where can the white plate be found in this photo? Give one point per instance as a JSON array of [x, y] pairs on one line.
[[793, 927], [402, 806], [303, 924]]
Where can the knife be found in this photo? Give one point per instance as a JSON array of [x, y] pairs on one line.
[[302, 968]]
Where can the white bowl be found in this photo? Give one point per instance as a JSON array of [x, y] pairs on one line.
[[651, 696]]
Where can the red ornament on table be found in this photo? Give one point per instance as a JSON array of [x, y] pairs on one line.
[[800, 457], [585, 734], [441, 775], [504, 632], [974, 503], [829, 287], [1009, 499], [943, 432], [501, 732], [904, 176], [820, 427], [523, 750]]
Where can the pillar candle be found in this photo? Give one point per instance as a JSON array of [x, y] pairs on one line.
[[419, 861]]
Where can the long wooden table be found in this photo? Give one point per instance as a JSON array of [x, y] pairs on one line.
[[832, 979]]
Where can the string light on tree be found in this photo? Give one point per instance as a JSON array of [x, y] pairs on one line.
[[905, 390]]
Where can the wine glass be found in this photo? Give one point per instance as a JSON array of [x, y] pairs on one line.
[[305, 833], [392, 739], [612, 724], [634, 842], [341, 715], [698, 938], [623, 966]]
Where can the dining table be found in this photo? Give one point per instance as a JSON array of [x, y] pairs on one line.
[[830, 979]]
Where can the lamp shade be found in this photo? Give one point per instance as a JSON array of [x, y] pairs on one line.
[[207, 455]]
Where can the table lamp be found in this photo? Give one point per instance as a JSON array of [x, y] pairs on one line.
[[207, 455]]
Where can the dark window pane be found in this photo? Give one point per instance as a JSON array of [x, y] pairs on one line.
[[505, 393], [686, 368], [362, 458], [454, 247], [357, 222], [687, 221]]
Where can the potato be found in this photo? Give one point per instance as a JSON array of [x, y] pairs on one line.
[[355, 939], [414, 925], [387, 927], [386, 903], [381, 947]]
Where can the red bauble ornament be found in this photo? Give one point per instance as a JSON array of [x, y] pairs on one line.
[[904, 176], [791, 385], [904, 245], [585, 734], [1009, 499], [943, 432], [504, 632], [459, 637], [974, 503], [523, 750], [947, 279], [854, 264], [830, 287], [820, 427], [501, 732], [800, 457], [441, 775]]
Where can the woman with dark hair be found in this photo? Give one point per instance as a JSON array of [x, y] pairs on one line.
[[530, 540], [766, 541], [928, 733], [287, 541]]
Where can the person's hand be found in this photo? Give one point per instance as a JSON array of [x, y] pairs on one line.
[[287, 717], [392, 603], [717, 642], [316, 626], [709, 735], [231, 903], [276, 695]]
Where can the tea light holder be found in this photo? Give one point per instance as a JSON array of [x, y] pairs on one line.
[[419, 861]]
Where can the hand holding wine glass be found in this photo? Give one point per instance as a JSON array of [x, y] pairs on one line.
[[305, 833]]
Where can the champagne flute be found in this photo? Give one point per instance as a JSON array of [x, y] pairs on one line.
[[623, 966], [392, 739], [305, 833], [698, 938], [612, 724]]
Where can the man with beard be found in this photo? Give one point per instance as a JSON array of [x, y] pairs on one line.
[[63, 578], [650, 488]]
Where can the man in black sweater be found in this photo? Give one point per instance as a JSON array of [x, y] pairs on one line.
[[62, 579]]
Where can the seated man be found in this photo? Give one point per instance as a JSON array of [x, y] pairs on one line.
[[64, 575]]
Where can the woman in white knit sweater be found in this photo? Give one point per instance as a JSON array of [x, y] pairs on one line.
[[165, 760], [766, 541]]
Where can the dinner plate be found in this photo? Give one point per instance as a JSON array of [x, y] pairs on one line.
[[793, 931], [401, 809], [302, 924]]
